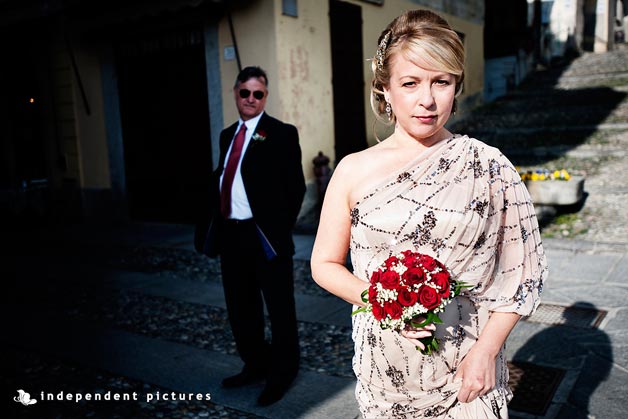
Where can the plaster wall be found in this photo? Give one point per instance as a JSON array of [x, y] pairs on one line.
[[305, 78]]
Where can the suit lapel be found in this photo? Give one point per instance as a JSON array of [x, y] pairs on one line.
[[262, 126], [250, 150], [252, 160]]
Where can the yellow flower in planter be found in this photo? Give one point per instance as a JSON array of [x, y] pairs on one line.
[[564, 174], [544, 174]]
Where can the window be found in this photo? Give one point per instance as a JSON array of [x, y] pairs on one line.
[[289, 8]]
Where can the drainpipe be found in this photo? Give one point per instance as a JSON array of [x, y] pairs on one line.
[[233, 38], [77, 74]]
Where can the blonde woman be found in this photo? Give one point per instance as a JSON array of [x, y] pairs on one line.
[[452, 197]]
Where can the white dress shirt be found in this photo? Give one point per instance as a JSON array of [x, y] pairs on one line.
[[240, 208]]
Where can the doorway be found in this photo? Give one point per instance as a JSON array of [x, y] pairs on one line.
[[347, 78], [25, 143], [588, 34], [165, 123]]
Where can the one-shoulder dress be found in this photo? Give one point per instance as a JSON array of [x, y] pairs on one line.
[[462, 202]]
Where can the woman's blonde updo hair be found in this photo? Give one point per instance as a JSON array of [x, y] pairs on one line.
[[424, 38]]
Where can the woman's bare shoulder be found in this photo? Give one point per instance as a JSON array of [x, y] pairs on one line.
[[358, 171], [362, 160]]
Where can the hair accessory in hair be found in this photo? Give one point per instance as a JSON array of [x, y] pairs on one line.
[[381, 50]]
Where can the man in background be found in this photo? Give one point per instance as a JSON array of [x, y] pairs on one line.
[[257, 191]]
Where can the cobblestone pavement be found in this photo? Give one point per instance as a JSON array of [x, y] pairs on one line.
[[575, 117], [59, 287]]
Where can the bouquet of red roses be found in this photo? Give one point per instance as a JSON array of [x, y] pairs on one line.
[[407, 286]]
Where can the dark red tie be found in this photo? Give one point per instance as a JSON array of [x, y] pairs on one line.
[[230, 170]]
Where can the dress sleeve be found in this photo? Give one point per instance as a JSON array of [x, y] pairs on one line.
[[519, 265]]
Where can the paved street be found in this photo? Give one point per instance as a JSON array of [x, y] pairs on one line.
[[132, 310]]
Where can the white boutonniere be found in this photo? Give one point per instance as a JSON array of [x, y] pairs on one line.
[[259, 136]]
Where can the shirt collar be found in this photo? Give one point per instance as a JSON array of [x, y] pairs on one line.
[[251, 123]]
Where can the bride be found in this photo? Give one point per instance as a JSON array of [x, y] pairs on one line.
[[450, 196]]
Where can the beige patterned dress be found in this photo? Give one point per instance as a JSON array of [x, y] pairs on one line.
[[462, 202]]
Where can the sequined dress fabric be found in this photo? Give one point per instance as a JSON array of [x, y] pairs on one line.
[[462, 202]]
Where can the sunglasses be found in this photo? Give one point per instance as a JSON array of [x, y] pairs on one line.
[[258, 94]]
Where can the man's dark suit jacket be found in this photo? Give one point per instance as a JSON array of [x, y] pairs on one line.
[[274, 183]]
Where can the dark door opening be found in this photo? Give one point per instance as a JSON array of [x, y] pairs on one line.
[[588, 33], [347, 77], [165, 124], [24, 144], [505, 28]]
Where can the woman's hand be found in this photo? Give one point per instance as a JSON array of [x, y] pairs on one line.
[[477, 369], [477, 372], [413, 334]]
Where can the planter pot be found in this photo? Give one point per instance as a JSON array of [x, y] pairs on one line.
[[556, 192]]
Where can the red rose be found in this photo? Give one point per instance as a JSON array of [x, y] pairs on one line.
[[441, 266], [414, 276], [393, 309], [390, 280], [406, 297], [428, 262], [372, 294], [391, 261], [429, 297], [378, 312], [410, 261], [441, 280], [375, 276]]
